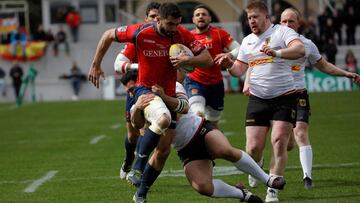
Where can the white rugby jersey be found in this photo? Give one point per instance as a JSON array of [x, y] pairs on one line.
[[186, 128], [298, 66], [270, 76]]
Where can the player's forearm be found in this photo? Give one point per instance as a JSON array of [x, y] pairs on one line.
[[237, 69], [234, 48], [203, 60], [103, 46], [294, 51], [178, 105], [329, 68]]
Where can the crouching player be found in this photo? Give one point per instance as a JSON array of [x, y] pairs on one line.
[[198, 143]]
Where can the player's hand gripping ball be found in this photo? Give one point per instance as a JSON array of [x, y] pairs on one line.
[[177, 49]]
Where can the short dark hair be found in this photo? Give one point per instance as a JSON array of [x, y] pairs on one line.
[[201, 6], [151, 6], [130, 75], [258, 5], [169, 9]]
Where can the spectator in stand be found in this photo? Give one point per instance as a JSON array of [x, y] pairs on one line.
[[2, 82], [330, 50], [76, 77], [49, 36], [338, 23], [40, 34], [61, 38], [18, 37], [245, 24], [351, 62], [309, 30], [16, 74], [73, 19], [329, 31], [350, 22]]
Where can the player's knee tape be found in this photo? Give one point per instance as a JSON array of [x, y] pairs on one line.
[[212, 114], [155, 112], [197, 105]]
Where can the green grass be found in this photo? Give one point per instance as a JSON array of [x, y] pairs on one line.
[[37, 138]]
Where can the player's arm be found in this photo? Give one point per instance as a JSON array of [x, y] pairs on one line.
[[236, 68], [95, 71], [179, 104], [294, 50], [202, 60], [123, 64], [331, 69], [137, 115], [246, 88]]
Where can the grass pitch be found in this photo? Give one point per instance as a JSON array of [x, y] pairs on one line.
[[43, 137]]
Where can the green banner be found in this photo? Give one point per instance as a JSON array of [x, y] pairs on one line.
[[317, 81]]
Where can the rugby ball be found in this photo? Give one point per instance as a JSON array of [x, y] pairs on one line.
[[176, 49]]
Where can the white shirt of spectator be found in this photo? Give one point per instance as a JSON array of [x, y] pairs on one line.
[[298, 66], [270, 76]]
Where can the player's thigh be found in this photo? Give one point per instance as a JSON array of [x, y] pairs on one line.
[[194, 88], [133, 132], [281, 131], [303, 107], [215, 101], [256, 137], [258, 112], [219, 146], [199, 173]]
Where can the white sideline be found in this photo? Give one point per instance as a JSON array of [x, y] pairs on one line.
[[218, 171], [37, 183], [96, 139], [116, 126]]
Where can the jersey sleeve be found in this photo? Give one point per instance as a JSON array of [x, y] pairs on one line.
[[189, 40], [129, 51], [226, 39], [289, 35], [314, 54], [241, 56], [126, 33]]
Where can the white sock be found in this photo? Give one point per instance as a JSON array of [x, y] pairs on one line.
[[222, 189], [306, 158], [248, 165]]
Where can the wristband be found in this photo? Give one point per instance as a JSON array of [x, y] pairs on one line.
[[278, 53]]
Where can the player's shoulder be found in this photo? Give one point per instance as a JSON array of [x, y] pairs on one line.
[[182, 29]]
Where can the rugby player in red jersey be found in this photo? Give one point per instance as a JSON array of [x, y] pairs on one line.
[[152, 42], [205, 87]]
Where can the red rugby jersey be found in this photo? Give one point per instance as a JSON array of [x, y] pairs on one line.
[[152, 50], [215, 40], [130, 52]]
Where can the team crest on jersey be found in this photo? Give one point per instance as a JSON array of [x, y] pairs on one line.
[[267, 40], [302, 102], [122, 29]]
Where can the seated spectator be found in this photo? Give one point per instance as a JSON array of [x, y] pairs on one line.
[[18, 37], [76, 77], [40, 34], [351, 62], [49, 36], [61, 38]]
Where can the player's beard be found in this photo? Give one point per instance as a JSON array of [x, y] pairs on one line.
[[204, 27], [167, 33]]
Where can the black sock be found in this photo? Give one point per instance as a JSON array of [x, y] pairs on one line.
[[129, 152], [148, 144], [149, 176]]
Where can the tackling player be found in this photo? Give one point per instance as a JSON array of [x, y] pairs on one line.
[[205, 87], [198, 143]]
